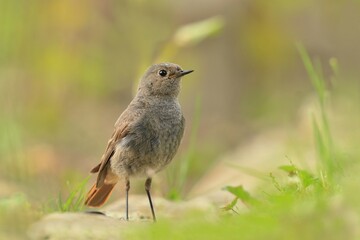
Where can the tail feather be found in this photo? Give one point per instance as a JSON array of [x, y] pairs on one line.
[[97, 196]]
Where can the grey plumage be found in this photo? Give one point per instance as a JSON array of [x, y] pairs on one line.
[[147, 134]]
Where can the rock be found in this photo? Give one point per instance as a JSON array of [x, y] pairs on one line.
[[110, 223], [77, 226], [139, 207]]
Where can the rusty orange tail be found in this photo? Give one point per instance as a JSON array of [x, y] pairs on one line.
[[97, 196]]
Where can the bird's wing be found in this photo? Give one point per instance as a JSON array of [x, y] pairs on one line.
[[102, 168], [141, 138], [122, 128]]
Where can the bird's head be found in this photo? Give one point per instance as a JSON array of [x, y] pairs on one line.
[[162, 79]]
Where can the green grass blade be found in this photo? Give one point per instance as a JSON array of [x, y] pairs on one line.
[[74, 201], [316, 78]]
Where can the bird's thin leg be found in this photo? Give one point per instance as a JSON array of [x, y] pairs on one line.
[[127, 198], [147, 189]]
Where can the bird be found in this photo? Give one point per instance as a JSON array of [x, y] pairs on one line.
[[146, 136]]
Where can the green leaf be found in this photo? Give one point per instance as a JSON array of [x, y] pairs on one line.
[[194, 33], [240, 193], [231, 205], [307, 178]]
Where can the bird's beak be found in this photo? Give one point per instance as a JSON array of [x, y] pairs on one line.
[[184, 72]]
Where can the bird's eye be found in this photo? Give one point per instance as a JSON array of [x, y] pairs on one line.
[[162, 73]]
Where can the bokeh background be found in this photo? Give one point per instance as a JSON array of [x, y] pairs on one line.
[[69, 68]]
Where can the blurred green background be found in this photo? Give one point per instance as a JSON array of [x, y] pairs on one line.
[[69, 68]]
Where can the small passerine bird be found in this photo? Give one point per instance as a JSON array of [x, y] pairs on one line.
[[146, 135]]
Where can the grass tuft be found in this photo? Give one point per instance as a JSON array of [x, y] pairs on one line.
[[324, 144], [75, 201]]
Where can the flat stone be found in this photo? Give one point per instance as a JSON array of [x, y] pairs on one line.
[[139, 208], [78, 226], [109, 222]]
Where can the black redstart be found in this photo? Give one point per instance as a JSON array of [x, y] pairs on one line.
[[146, 136]]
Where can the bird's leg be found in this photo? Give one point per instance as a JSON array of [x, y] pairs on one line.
[[147, 189], [127, 198]]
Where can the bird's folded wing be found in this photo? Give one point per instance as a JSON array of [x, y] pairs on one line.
[[119, 133]]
